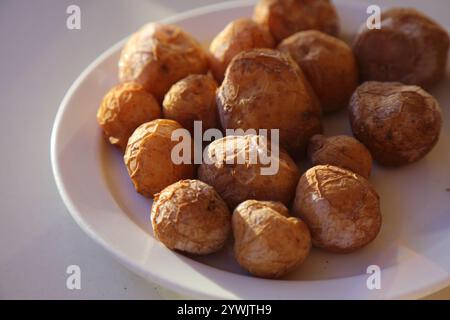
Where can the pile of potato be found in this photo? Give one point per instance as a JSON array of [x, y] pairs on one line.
[[285, 68]]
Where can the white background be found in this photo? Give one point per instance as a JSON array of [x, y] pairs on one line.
[[39, 59]]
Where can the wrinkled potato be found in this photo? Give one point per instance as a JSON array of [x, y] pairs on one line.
[[265, 89], [193, 99], [409, 48], [399, 124], [190, 216], [159, 55], [341, 208], [148, 157], [124, 108], [239, 35], [267, 242], [235, 170], [286, 17], [328, 64], [340, 151]]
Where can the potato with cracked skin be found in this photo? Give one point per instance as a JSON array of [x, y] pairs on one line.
[[148, 157], [340, 151], [286, 17], [236, 169], [409, 48], [191, 217], [193, 99], [265, 89], [268, 243], [158, 55], [125, 107], [328, 64], [239, 35], [341, 208], [398, 123]]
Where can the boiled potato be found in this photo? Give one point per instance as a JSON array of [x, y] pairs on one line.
[[265, 89], [239, 35], [409, 48], [158, 55], [286, 17]]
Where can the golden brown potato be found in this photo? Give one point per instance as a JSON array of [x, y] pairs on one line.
[[409, 48], [286, 17], [341, 208], [238, 173], [159, 55], [124, 108], [239, 35], [148, 157], [193, 99], [265, 89], [190, 216], [399, 124], [328, 64], [340, 151], [267, 242]]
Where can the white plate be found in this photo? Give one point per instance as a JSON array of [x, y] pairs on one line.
[[412, 249]]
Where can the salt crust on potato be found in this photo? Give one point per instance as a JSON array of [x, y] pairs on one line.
[[398, 123], [158, 55], [148, 158], [341, 208], [410, 48], [190, 216], [265, 89], [237, 182], [267, 242], [125, 107]]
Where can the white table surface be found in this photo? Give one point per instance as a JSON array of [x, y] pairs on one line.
[[39, 59]]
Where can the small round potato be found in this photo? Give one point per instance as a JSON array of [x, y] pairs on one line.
[[265, 89], [399, 124], [286, 17], [328, 64], [267, 242], [124, 108], [193, 99], [340, 151], [341, 208], [409, 48], [237, 170], [190, 216], [148, 157], [238, 35], [159, 55]]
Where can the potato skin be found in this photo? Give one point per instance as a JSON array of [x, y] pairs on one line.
[[411, 48], [340, 151], [265, 89], [158, 55], [399, 124], [148, 157], [193, 99], [239, 35], [237, 182], [341, 208], [268, 243], [328, 64], [190, 216], [286, 17], [125, 107]]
